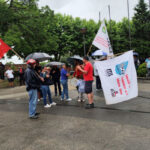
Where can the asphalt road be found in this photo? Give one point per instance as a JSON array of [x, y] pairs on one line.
[[69, 126]]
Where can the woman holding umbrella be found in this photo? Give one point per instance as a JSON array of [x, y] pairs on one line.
[[45, 74]]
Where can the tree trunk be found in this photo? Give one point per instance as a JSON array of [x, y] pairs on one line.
[[11, 3]]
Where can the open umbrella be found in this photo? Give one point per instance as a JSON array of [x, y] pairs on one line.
[[38, 56], [99, 53], [135, 54], [54, 63], [72, 59]]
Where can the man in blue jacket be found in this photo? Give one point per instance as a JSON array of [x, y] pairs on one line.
[[33, 82]]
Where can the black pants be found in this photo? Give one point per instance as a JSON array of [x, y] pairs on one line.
[[57, 84], [21, 79], [98, 83], [2, 75]]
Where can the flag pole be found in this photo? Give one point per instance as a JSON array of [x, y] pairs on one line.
[[91, 44], [99, 17], [17, 54], [110, 25], [89, 50], [129, 23]]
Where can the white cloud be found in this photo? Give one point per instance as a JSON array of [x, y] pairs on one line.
[[89, 9]]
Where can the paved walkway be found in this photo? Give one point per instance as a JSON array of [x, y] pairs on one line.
[[68, 126]]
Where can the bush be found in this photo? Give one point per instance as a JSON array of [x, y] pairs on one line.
[[142, 70]]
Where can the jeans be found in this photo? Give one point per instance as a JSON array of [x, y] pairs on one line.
[[65, 89], [57, 83], [46, 91], [21, 80], [98, 83], [32, 102]]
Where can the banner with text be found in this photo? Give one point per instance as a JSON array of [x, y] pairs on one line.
[[102, 40], [119, 78]]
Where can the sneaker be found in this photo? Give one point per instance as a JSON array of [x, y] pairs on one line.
[[47, 106], [53, 104], [83, 100], [37, 114], [79, 100], [69, 99], [34, 117], [89, 106], [39, 100]]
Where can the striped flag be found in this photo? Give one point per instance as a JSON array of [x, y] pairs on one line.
[[102, 41]]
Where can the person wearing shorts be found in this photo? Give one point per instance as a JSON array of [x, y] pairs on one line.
[[10, 76], [88, 78]]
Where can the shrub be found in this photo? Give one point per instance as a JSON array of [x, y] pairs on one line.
[[142, 70]]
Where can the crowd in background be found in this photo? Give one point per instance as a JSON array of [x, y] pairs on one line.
[[38, 80]]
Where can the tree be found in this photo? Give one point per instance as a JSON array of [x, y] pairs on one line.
[[141, 22]]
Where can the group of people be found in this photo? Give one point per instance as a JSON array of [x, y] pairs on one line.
[[37, 81], [9, 74]]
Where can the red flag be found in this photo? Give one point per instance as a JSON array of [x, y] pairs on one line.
[[4, 48]]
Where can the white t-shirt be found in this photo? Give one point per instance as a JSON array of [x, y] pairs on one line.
[[10, 74]]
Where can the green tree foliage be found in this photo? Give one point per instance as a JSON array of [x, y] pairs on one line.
[[141, 24], [32, 29]]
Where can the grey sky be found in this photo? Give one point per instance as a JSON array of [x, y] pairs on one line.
[[89, 9]]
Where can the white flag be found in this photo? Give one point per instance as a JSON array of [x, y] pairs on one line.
[[119, 78], [102, 40]]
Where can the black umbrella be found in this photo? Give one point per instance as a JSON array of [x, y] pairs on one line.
[[72, 59], [54, 63], [135, 54], [38, 56]]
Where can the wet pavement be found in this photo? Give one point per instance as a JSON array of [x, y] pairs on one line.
[[69, 126]]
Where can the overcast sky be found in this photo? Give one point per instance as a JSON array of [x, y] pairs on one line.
[[89, 9]]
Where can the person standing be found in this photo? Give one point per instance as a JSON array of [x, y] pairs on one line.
[[33, 83], [21, 75], [64, 82], [88, 78], [80, 82], [38, 69], [148, 66], [45, 74], [98, 82], [2, 70], [10, 76], [55, 73]]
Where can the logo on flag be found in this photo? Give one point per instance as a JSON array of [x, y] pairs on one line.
[[121, 68], [109, 72], [104, 30]]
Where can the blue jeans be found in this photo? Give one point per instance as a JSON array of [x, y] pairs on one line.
[[33, 97], [65, 89], [46, 91]]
